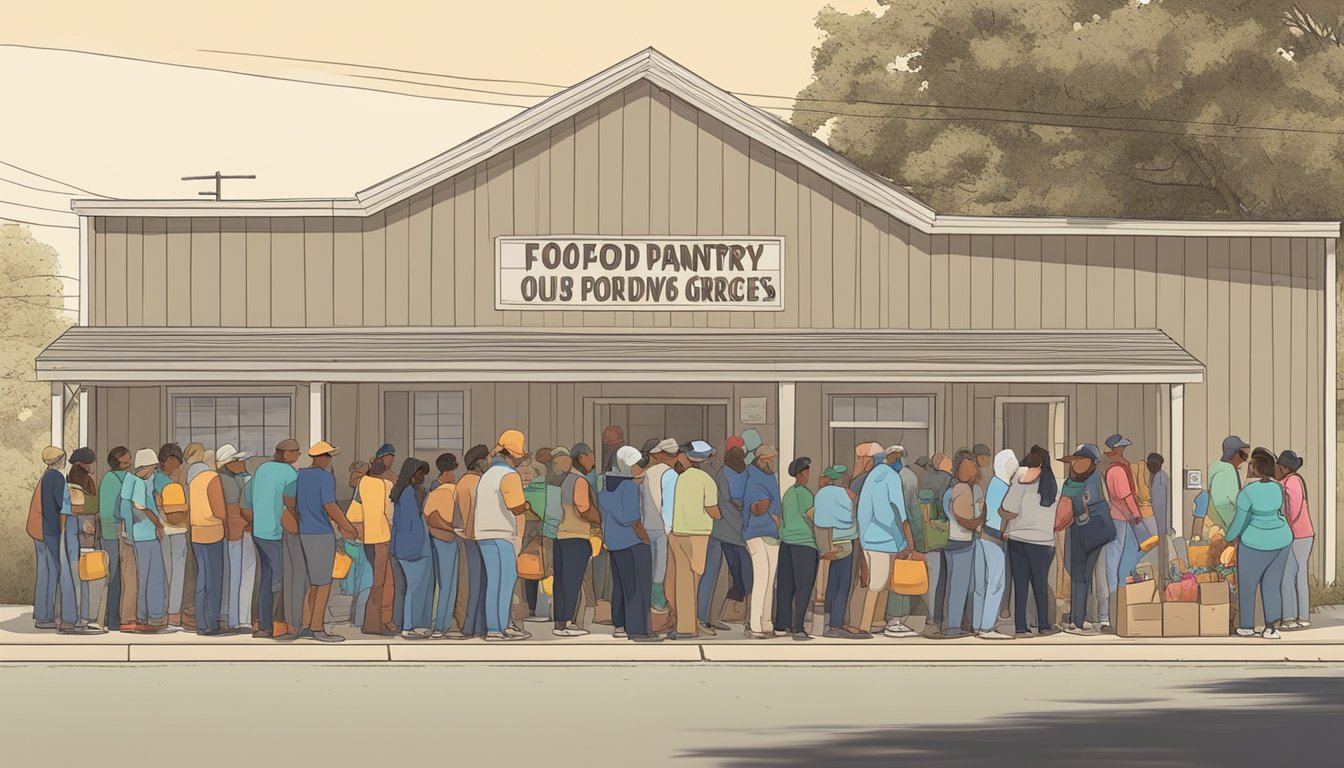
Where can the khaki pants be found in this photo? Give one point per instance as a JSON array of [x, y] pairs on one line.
[[130, 583], [687, 554]]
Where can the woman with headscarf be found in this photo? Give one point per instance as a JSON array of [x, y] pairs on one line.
[[1264, 540], [411, 548], [1028, 512], [625, 538], [1296, 592], [991, 573]]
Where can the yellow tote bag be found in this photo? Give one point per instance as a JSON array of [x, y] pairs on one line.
[[340, 567], [93, 566], [909, 577]]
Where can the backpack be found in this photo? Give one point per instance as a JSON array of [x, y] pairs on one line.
[[1143, 492], [931, 535]]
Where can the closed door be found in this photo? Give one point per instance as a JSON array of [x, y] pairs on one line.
[[1024, 424]]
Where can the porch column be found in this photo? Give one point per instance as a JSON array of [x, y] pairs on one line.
[[85, 416], [1177, 459], [1329, 516], [787, 425], [317, 412], [58, 414]]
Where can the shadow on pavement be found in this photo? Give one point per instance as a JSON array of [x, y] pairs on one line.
[[1289, 719]]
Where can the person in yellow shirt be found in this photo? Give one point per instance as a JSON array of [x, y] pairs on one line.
[[694, 510], [375, 530], [439, 505], [205, 497]]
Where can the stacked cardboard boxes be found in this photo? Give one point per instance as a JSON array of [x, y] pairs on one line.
[[1141, 612]]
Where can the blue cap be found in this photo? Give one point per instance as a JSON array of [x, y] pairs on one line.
[[1084, 451], [1117, 441], [385, 450], [699, 450]]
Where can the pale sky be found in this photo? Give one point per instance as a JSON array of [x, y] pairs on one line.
[[131, 126]]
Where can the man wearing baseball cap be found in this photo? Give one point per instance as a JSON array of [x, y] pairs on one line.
[[143, 527], [1134, 533], [50, 504], [695, 507], [241, 554], [268, 504], [499, 504], [1225, 482], [656, 508], [1083, 486], [319, 519]]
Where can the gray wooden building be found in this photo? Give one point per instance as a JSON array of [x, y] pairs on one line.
[[817, 303]]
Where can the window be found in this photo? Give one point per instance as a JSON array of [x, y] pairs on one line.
[[439, 421], [252, 423], [889, 420]]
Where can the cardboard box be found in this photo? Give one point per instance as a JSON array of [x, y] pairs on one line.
[[1180, 619], [1215, 593], [1138, 610], [1215, 610]]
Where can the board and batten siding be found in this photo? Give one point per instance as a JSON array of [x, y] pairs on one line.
[[643, 162]]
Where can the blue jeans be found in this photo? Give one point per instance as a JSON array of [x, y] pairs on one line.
[[399, 594], [991, 575], [717, 554], [445, 576], [571, 562], [1296, 590], [112, 548], [68, 573], [209, 584], [475, 619], [1081, 565], [1031, 571], [960, 559], [48, 580], [501, 571], [419, 581], [269, 581], [1263, 569], [242, 580], [632, 589], [151, 581], [797, 576], [837, 590]]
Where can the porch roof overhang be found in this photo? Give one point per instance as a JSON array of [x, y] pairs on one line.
[[140, 355]]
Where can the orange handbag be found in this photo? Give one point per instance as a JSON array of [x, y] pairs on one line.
[[340, 567], [530, 567], [909, 577], [93, 565]]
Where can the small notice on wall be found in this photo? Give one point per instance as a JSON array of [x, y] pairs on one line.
[[640, 273], [753, 410]]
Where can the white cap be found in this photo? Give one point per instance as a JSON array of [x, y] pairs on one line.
[[668, 445], [626, 459], [146, 457], [227, 454], [894, 449]]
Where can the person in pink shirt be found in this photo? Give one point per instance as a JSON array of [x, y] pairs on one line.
[[1134, 534], [1295, 591]]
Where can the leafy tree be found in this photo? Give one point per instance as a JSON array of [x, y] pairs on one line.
[[30, 318], [1137, 108]]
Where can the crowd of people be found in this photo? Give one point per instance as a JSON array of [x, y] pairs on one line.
[[474, 547]]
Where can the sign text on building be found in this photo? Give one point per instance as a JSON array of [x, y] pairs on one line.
[[653, 273]]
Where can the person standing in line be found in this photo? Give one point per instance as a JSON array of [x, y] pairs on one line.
[[499, 504], [1028, 513], [319, 518], [1160, 491], [884, 534], [937, 482], [439, 519], [656, 463], [1264, 543], [1296, 588], [760, 529], [573, 548], [1225, 483], [143, 527], [966, 516], [109, 539], [175, 541], [726, 544], [898, 607], [239, 548], [477, 461], [1082, 488], [695, 507], [53, 557], [991, 571], [798, 555], [267, 499], [1133, 532], [410, 545], [209, 514], [557, 469], [837, 534], [628, 543], [533, 474], [68, 576], [866, 457], [84, 506], [375, 530]]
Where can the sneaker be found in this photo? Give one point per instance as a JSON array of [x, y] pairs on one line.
[[647, 639], [1086, 630], [720, 626], [899, 630], [93, 628], [1022, 633], [577, 630], [495, 637], [566, 632], [897, 626], [761, 636], [305, 634], [993, 634], [1271, 633], [1048, 631], [841, 634], [170, 628], [324, 636], [708, 630], [932, 632], [410, 634], [1245, 632], [1290, 625], [44, 624], [71, 630], [1106, 628], [514, 633], [619, 634], [1303, 623], [801, 636], [456, 636]]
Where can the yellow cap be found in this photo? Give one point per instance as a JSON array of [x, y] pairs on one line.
[[322, 448], [512, 441], [51, 454], [174, 498]]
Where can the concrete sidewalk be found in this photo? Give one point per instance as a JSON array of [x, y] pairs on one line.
[[21, 642]]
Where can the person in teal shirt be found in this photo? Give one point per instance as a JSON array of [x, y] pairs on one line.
[[1225, 483], [1264, 538], [139, 515], [109, 499], [265, 500], [798, 554]]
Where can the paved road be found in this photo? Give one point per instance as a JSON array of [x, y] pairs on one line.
[[791, 716]]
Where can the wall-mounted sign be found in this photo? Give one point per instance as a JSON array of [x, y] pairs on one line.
[[704, 274], [752, 410], [1194, 479]]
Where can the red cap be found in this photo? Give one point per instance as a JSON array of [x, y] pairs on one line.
[[734, 442]]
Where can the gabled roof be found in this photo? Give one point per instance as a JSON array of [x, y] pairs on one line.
[[761, 126]]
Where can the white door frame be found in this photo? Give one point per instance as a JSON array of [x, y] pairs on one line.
[[1059, 421]]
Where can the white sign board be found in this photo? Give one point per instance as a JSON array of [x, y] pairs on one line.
[[753, 410], [1194, 479], [704, 274]]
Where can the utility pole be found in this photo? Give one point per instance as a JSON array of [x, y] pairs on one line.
[[218, 178]]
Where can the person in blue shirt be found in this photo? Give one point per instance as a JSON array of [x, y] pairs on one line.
[[268, 506], [760, 529], [143, 529], [319, 517], [884, 534], [628, 542], [410, 546], [51, 496]]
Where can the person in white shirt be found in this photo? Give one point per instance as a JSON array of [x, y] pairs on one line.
[[1028, 511]]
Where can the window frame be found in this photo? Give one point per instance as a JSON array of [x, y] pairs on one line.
[[930, 425], [172, 394]]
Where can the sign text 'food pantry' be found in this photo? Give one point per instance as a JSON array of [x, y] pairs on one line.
[[651, 273]]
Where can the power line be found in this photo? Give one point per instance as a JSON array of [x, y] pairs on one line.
[[48, 178], [385, 69], [3, 217], [34, 207], [35, 189]]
